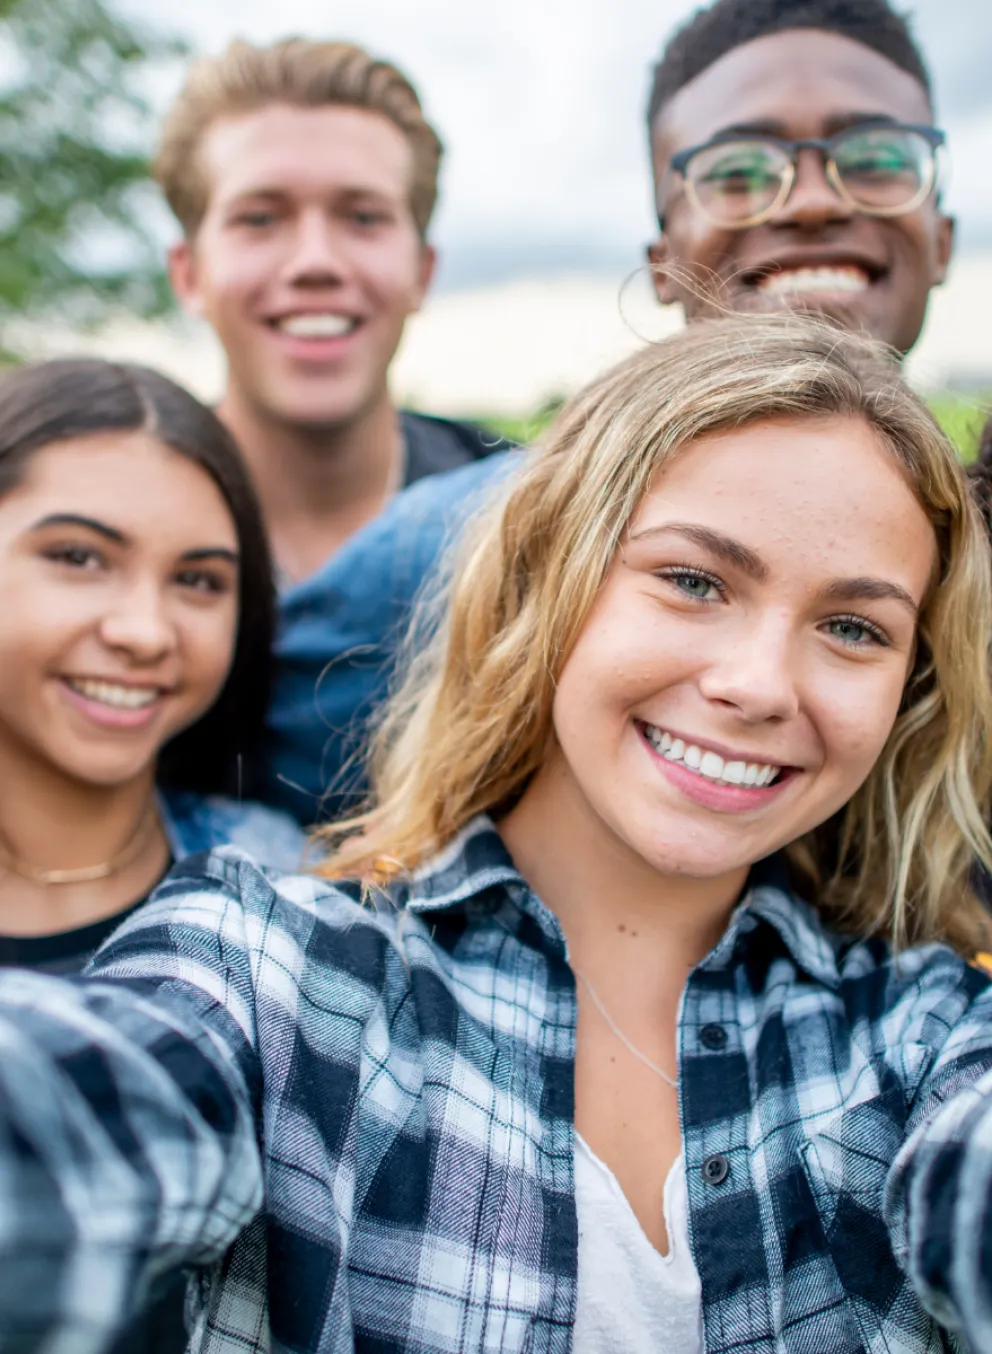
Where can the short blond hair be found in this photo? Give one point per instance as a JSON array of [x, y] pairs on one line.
[[473, 720], [303, 74]]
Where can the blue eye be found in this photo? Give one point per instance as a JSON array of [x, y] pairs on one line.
[[693, 583], [855, 632], [695, 587]]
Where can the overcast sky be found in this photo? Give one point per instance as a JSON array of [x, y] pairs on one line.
[[540, 105]]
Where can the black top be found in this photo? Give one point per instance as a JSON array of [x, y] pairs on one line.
[[65, 952], [161, 1328], [434, 445]]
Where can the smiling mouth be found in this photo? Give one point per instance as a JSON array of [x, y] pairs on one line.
[[325, 325], [812, 280], [114, 695], [710, 765]]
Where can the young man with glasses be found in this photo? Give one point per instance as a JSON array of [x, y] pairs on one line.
[[795, 164]]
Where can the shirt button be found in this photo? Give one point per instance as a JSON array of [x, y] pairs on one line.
[[716, 1169], [713, 1037]]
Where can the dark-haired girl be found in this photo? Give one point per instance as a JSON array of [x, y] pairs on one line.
[[134, 640], [135, 626]]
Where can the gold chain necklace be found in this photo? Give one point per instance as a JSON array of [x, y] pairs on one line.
[[85, 874]]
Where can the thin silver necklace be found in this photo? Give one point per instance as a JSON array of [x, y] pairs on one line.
[[632, 1048]]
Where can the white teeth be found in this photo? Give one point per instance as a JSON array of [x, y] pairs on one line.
[[790, 281], [734, 772], [121, 697], [710, 764], [317, 326]]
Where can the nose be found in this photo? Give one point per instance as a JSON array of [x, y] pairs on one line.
[[138, 624], [316, 255], [756, 677], [813, 201]]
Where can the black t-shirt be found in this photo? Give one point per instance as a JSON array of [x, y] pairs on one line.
[[66, 952], [434, 445], [161, 1328]]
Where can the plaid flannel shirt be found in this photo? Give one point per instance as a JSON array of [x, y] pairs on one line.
[[358, 1124]]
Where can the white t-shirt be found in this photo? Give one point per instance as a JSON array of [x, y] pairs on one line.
[[631, 1299]]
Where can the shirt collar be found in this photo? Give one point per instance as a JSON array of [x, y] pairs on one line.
[[769, 901], [477, 861], [473, 864]]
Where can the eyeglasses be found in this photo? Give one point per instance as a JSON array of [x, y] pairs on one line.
[[883, 169]]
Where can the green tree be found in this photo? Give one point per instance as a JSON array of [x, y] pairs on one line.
[[75, 127]]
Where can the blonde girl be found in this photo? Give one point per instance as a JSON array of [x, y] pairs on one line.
[[635, 1012]]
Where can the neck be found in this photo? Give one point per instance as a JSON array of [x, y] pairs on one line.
[[53, 823], [317, 485], [624, 921]]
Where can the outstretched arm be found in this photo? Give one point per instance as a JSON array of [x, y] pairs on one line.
[[938, 1203], [128, 1137]]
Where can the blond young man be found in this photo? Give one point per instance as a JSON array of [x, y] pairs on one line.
[[304, 176]]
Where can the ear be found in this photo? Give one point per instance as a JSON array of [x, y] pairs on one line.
[[946, 228], [428, 267], [659, 257], [183, 277]]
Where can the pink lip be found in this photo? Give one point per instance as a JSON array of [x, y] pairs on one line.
[[710, 794], [106, 716]]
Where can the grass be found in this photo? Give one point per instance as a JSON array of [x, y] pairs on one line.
[[962, 416]]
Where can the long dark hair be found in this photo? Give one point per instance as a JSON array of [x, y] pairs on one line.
[[54, 401]]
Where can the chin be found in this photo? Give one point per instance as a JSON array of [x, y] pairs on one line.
[[300, 410], [107, 777], [705, 860]]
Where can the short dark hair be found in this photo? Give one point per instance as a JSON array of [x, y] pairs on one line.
[[728, 24], [50, 402]]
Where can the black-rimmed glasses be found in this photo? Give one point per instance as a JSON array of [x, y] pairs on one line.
[[739, 180]]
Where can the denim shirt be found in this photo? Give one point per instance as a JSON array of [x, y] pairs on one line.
[[358, 1122], [338, 634], [194, 823]]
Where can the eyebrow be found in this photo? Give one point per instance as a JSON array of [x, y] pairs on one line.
[[750, 563], [724, 547], [869, 589], [837, 122], [275, 193], [72, 519], [212, 552]]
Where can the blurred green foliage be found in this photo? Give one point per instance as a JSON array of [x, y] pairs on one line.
[[75, 124], [961, 416]]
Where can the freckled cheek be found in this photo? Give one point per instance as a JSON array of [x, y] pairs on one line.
[[617, 665], [854, 724]]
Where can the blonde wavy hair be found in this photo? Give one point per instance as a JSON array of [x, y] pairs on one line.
[[472, 721]]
